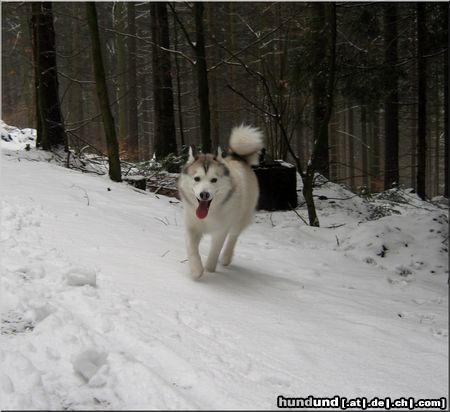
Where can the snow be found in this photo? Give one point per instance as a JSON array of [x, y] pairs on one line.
[[91, 365], [76, 276], [99, 311], [15, 138]]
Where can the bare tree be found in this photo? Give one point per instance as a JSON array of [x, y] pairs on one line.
[[202, 71], [422, 101], [202, 78], [51, 132], [446, 114], [133, 127], [322, 114], [102, 94], [274, 111], [119, 25], [164, 119], [321, 105], [391, 173]]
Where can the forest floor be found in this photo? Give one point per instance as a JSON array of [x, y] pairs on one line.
[[99, 311]]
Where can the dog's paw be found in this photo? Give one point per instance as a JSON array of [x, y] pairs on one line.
[[226, 259], [197, 273], [210, 267]]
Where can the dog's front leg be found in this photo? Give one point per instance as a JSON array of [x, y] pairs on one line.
[[227, 254], [193, 240], [217, 240]]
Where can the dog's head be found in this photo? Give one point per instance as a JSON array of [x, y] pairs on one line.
[[205, 177]]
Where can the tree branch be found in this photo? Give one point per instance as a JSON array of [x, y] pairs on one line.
[[183, 28]]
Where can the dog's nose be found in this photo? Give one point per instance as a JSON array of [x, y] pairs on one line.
[[204, 195]]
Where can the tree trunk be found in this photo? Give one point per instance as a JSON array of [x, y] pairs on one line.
[[35, 7], [377, 184], [122, 67], [391, 172], [165, 138], [364, 151], [144, 141], [446, 115], [51, 127], [334, 155], [102, 94], [319, 161], [231, 69], [77, 93], [214, 98], [202, 79], [179, 91], [320, 122], [413, 144], [437, 131], [422, 101], [133, 126], [351, 145]]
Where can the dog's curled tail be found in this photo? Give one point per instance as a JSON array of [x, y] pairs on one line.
[[247, 142]]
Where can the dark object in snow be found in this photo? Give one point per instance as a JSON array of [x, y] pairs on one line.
[[321, 197], [6, 137], [14, 323], [108, 189], [277, 185], [163, 190], [382, 252], [139, 182]]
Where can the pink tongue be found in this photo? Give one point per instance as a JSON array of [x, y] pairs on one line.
[[202, 210]]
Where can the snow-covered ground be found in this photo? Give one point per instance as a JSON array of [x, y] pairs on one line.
[[99, 312]]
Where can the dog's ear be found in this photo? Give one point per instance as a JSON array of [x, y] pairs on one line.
[[219, 155], [191, 157]]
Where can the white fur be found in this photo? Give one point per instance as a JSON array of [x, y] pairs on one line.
[[234, 198], [191, 155], [219, 155], [247, 141]]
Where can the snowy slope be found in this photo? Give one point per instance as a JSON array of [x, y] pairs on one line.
[[14, 138], [99, 312]]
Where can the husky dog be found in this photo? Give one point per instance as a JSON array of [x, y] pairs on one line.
[[219, 196]]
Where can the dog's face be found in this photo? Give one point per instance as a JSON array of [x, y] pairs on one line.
[[206, 177]]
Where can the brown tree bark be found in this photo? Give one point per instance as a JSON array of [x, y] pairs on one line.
[[51, 131], [102, 94], [35, 11], [122, 68], [323, 105], [164, 116]]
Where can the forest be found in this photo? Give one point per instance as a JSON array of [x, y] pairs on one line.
[[110, 297], [355, 91]]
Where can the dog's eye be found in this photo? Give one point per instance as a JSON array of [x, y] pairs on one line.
[[197, 179], [213, 180]]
